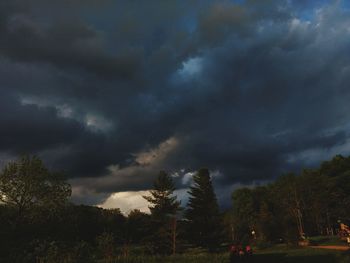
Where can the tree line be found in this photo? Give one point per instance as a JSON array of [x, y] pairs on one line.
[[295, 207], [38, 222]]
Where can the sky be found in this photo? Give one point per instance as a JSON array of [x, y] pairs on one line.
[[111, 92]]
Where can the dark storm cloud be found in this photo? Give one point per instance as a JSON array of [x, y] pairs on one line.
[[26, 128], [69, 44], [113, 91]]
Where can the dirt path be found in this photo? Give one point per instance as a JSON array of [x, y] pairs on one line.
[[343, 248]]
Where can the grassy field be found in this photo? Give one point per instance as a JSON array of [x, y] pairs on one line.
[[326, 240], [308, 255], [277, 254]]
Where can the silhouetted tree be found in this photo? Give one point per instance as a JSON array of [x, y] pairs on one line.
[[245, 213], [204, 219], [296, 206], [32, 197], [162, 200], [164, 207], [27, 185], [138, 227]]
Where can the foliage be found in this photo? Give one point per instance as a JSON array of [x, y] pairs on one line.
[[27, 185], [164, 207], [204, 219], [37, 222], [162, 201], [296, 206], [138, 227], [244, 213], [106, 245]]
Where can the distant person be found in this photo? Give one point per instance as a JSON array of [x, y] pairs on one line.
[[241, 252], [248, 250], [233, 253]]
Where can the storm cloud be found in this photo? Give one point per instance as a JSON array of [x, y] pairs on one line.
[[111, 92]]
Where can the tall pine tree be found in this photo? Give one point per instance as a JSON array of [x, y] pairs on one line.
[[205, 223], [164, 207]]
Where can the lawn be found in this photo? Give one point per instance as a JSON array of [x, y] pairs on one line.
[[283, 254], [277, 254], [326, 240]]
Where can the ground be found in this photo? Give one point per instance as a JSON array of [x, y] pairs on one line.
[[276, 254]]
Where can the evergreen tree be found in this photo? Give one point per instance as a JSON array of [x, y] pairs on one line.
[[205, 224], [164, 207]]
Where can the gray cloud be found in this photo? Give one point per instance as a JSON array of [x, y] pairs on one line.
[[248, 90]]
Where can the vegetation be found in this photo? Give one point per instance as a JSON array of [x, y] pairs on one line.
[[27, 186], [39, 224], [295, 207], [204, 219], [163, 214]]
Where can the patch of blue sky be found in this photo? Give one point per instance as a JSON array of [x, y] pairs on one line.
[[345, 5], [191, 67], [306, 10]]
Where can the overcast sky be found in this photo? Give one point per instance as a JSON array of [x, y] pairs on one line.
[[113, 91]]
